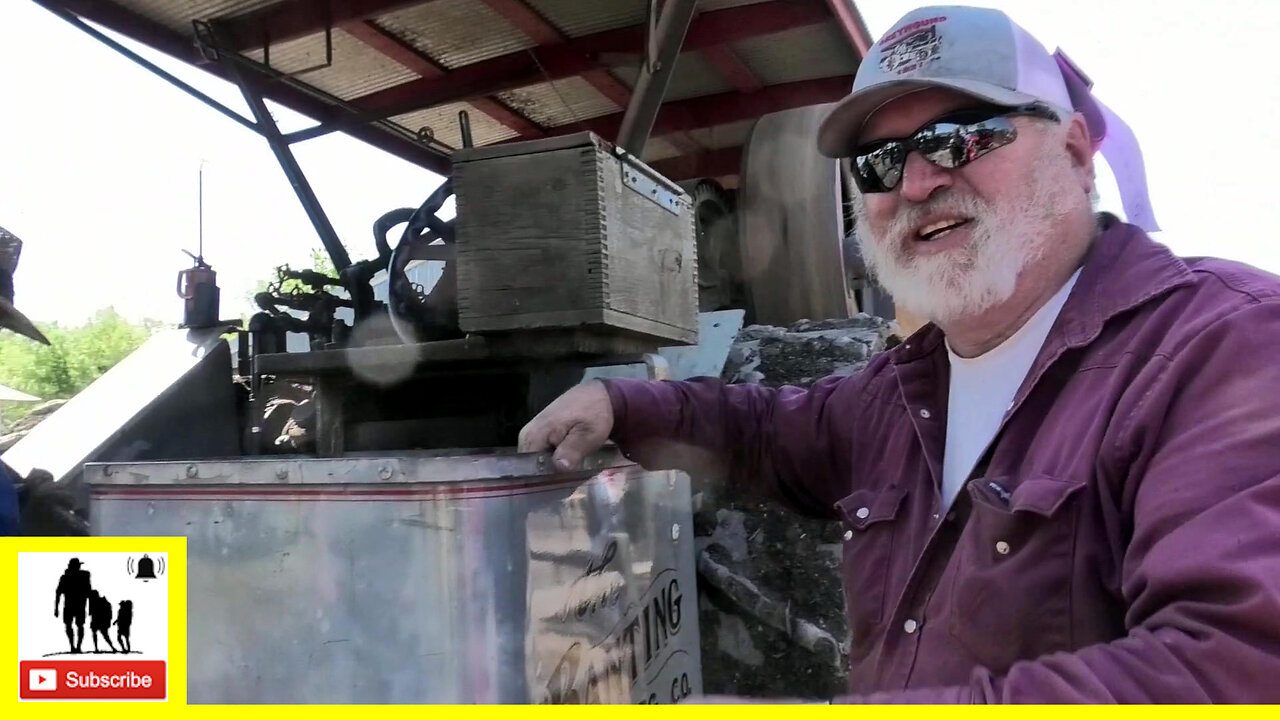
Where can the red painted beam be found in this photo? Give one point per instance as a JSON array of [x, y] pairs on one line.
[[290, 19], [712, 110], [732, 68], [153, 34], [684, 143], [707, 164], [855, 28], [505, 115], [526, 21], [393, 47], [609, 86], [581, 55], [543, 33], [718, 27]]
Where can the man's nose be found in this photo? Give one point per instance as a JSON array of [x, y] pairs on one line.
[[921, 178]]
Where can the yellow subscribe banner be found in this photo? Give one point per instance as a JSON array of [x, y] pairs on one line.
[[98, 628]]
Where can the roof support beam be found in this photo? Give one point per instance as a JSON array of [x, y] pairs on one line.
[[732, 68], [655, 75], [391, 46], [684, 143], [153, 34], [297, 178], [706, 164], [607, 85], [711, 110], [855, 28], [292, 19], [544, 34], [526, 20], [582, 55]]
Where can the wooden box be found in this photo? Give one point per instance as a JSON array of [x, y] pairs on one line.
[[569, 233]]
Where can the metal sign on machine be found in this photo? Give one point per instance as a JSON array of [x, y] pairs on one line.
[[641, 659], [616, 624]]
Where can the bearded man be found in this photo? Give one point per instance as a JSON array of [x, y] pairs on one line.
[[1066, 486]]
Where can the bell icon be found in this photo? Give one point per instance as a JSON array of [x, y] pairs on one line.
[[146, 569]]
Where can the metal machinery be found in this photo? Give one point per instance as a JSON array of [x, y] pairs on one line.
[[360, 529]]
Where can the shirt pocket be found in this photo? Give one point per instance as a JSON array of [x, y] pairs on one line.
[[1011, 598], [870, 518]]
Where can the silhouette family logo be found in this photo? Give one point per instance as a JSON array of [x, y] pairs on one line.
[[107, 637]]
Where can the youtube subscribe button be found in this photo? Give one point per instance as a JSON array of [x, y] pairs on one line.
[[92, 680]]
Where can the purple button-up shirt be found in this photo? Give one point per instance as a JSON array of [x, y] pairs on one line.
[[1120, 540]]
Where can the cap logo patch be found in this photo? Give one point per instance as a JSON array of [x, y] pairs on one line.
[[911, 46]]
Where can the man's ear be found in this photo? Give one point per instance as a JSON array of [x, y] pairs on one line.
[[1080, 150]]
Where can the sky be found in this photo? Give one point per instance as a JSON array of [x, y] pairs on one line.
[[99, 159]]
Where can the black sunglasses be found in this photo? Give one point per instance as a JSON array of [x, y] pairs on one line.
[[950, 142]]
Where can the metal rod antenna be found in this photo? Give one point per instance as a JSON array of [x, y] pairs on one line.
[[200, 250]]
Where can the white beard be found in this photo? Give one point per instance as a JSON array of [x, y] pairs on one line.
[[968, 280]]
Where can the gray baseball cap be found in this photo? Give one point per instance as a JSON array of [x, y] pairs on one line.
[[985, 54], [975, 51], [10, 318]]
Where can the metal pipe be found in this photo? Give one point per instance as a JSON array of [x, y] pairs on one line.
[[655, 76], [173, 80], [284, 155], [264, 126], [464, 122], [314, 131]]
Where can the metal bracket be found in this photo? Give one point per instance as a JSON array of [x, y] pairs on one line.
[[328, 56], [206, 39], [203, 33], [649, 188], [643, 183]]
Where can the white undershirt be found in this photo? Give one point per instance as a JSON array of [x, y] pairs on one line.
[[982, 391]]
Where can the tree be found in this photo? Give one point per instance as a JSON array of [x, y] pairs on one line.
[[320, 262], [75, 358]]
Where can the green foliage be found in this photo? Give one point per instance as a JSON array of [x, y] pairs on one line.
[[78, 356]]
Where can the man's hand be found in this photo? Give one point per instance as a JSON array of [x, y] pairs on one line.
[[576, 424]]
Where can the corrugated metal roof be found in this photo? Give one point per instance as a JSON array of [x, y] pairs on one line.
[[443, 121], [576, 18], [692, 77], [456, 32], [723, 136], [805, 53], [461, 32], [178, 14], [355, 70], [559, 103]]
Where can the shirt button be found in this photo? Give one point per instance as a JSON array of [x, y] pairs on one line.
[[951, 516], [910, 626], [863, 513], [924, 413], [1002, 547], [848, 534]]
